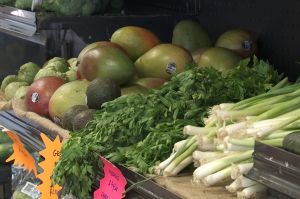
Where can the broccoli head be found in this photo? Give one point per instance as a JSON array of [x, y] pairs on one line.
[[23, 4], [75, 7]]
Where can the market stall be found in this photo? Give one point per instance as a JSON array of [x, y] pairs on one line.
[[136, 99]]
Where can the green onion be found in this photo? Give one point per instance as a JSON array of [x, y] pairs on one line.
[[212, 167], [176, 165], [193, 130], [240, 183], [217, 177], [252, 191], [240, 169]]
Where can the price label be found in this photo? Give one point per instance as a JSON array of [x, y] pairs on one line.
[[112, 186], [51, 153]]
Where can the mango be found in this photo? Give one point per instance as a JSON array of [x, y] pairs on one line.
[[66, 96], [135, 40], [134, 89], [162, 61], [150, 83], [221, 59], [240, 41], [97, 44], [191, 35], [108, 62], [198, 53]]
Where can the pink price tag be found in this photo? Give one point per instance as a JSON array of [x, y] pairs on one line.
[[112, 186]]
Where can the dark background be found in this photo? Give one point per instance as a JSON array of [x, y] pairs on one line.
[[275, 23]]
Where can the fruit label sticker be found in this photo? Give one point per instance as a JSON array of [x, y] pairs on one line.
[[247, 45], [35, 97], [171, 68], [51, 153], [20, 155], [112, 186]]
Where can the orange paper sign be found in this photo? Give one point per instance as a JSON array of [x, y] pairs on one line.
[[51, 154], [20, 155]]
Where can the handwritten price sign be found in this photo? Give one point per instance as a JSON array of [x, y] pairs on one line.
[[113, 184], [20, 155], [51, 153]]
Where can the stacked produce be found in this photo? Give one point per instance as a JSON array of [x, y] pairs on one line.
[[15, 85], [223, 148], [139, 130], [129, 99]]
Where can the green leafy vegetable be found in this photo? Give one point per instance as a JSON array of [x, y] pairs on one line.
[[151, 124]]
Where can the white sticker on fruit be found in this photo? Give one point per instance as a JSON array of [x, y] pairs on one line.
[[30, 190], [171, 68], [35, 97], [247, 45]]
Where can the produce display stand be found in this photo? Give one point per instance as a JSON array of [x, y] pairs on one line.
[[275, 22], [277, 169]]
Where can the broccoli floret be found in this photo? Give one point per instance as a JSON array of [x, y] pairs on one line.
[[23, 4]]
